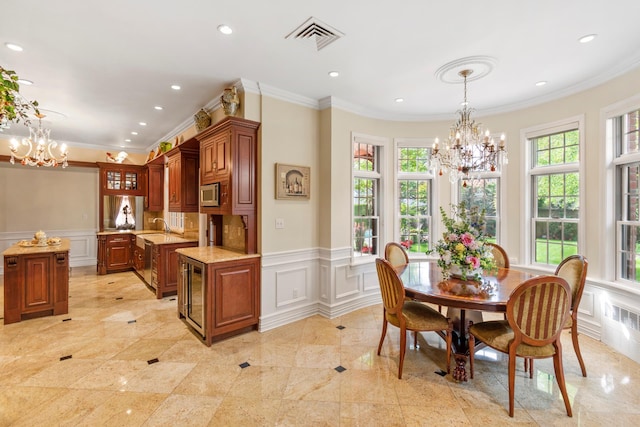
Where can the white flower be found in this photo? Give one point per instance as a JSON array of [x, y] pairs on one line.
[[446, 257]]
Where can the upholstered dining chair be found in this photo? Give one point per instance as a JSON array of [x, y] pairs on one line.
[[500, 255], [407, 315], [537, 311], [396, 254], [574, 270]]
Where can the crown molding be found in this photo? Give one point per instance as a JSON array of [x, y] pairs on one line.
[[294, 98]]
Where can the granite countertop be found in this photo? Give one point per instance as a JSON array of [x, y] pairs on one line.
[[213, 254], [163, 239], [16, 249], [154, 236]]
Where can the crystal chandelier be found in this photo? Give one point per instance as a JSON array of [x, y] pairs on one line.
[[41, 154], [468, 151]]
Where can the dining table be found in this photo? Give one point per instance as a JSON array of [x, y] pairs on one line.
[[465, 299]]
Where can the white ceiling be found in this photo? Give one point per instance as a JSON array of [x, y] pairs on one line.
[[105, 64]]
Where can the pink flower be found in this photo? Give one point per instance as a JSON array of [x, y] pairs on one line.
[[467, 239], [473, 261], [452, 237]]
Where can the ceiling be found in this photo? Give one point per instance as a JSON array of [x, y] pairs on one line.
[[100, 67]]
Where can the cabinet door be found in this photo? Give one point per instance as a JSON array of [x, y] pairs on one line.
[[155, 188], [207, 162], [222, 153], [38, 292], [174, 183], [235, 296], [118, 252], [244, 174]]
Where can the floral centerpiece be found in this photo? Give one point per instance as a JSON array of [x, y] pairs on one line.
[[463, 250]]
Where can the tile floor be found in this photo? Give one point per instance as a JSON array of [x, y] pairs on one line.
[[116, 326]]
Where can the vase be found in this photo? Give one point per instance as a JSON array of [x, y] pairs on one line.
[[202, 120], [230, 101], [456, 271]]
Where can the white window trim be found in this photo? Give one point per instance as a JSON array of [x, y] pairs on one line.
[[609, 231], [433, 227], [526, 135], [383, 143]]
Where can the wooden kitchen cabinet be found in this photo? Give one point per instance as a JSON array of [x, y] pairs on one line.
[[228, 302], [164, 268], [182, 164], [155, 187], [115, 252], [36, 282], [118, 179], [228, 152]]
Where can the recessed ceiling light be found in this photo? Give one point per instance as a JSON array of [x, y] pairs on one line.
[[157, 107], [334, 73], [399, 100], [225, 29], [134, 133], [13, 46], [142, 123], [541, 83], [587, 38], [127, 140], [25, 82], [175, 87]]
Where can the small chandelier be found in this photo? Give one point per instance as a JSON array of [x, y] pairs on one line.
[[41, 154], [468, 151]]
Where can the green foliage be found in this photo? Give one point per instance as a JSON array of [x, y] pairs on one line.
[[12, 105]]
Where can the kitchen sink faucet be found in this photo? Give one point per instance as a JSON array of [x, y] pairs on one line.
[[167, 230]]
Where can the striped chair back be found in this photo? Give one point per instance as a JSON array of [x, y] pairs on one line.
[[391, 286], [538, 309]]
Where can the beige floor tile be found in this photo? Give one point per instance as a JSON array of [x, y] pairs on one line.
[[291, 378]]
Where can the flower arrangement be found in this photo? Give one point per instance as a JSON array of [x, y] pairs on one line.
[[463, 243]]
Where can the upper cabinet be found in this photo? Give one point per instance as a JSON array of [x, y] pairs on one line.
[[228, 153], [118, 179], [183, 162], [155, 187]]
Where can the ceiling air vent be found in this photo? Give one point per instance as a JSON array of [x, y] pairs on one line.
[[313, 28]]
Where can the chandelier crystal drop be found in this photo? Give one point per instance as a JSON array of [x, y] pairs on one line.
[[468, 151], [38, 148]]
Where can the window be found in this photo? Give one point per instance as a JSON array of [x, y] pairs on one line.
[[366, 198], [414, 197], [483, 193], [624, 130], [555, 194]]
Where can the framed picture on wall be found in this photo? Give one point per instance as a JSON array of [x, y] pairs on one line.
[[292, 182]]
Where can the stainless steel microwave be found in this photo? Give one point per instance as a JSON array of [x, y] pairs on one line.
[[209, 194]]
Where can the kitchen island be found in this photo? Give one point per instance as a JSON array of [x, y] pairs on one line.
[[218, 291], [36, 281]]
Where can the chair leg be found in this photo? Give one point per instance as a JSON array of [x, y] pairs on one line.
[[557, 366], [384, 333], [472, 350], [576, 346], [449, 338], [403, 348], [415, 340], [512, 381]]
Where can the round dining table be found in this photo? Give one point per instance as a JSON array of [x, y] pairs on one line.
[[423, 281]]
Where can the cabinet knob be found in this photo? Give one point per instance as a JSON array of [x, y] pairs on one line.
[[214, 165]]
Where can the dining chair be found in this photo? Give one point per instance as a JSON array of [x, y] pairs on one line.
[[500, 255], [396, 254], [407, 315], [537, 311], [574, 270]]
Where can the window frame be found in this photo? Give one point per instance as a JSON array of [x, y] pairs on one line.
[[428, 175], [529, 216], [380, 175]]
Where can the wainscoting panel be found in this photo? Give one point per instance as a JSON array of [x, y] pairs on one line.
[[83, 250], [299, 284], [291, 286]]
